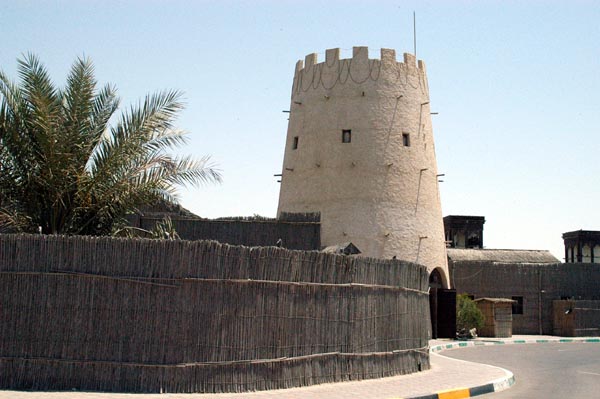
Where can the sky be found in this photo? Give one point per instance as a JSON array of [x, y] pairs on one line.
[[516, 85]]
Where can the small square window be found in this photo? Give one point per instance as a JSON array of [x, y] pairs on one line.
[[517, 307], [346, 136], [295, 143], [406, 139]]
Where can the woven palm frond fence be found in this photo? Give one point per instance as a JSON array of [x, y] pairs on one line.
[[296, 231], [137, 315]]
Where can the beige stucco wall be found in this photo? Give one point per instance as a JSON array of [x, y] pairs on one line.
[[374, 191]]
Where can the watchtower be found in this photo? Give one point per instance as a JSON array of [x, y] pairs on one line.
[[360, 151], [582, 246], [464, 231]]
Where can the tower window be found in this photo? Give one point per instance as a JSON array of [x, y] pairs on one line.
[[295, 143], [346, 136], [406, 139]]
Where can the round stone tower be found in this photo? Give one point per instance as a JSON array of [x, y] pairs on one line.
[[360, 151]]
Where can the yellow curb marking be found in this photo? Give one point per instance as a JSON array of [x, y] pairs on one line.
[[454, 393]]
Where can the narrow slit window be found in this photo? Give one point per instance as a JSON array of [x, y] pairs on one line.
[[346, 136], [295, 143], [406, 139]]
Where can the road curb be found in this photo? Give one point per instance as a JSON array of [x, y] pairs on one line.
[[487, 342], [499, 384]]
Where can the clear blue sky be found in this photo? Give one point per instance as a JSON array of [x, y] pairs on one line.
[[516, 85]]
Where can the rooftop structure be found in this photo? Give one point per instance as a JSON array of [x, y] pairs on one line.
[[464, 231], [501, 255], [582, 246]]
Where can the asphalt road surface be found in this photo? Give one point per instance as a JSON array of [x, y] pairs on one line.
[[568, 370]]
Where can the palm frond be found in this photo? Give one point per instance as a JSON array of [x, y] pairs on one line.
[[78, 104], [15, 143], [134, 130], [195, 172], [65, 168], [42, 100]]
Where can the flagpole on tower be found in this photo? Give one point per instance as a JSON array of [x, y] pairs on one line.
[[415, 32]]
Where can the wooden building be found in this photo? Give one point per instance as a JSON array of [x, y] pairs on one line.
[[498, 317], [574, 318]]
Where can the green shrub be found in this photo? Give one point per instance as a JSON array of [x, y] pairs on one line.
[[468, 316]]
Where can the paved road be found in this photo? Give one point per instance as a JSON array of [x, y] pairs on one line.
[[568, 370]]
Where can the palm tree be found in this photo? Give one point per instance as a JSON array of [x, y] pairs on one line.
[[70, 165]]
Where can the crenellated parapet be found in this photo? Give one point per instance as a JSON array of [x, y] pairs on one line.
[[359, 70]]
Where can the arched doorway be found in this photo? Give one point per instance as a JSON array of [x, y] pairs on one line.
[[435, 279], [442, 306]]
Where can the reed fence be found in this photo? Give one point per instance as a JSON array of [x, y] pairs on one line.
[[295, 231], [137, 315]]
